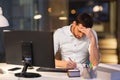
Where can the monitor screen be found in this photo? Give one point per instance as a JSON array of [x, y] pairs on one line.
[[33, 45]]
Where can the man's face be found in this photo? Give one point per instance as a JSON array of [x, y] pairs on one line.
[[76, 31]]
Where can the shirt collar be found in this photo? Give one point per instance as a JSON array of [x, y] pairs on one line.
[[69, 31]]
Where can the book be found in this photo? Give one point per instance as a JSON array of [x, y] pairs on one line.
[[73, 73]]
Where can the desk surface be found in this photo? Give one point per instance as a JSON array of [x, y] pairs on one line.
[[9, 75]]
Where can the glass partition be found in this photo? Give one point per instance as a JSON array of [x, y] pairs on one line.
[[48, 15]]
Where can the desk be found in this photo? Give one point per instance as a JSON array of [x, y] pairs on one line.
[[9, 75]]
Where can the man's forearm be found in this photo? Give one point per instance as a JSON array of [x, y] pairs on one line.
[[94, 53]]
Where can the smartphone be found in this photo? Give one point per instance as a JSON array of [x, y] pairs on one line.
[[14, 69]]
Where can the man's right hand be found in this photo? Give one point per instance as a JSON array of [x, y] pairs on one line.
[[70, 64], [65, 64]]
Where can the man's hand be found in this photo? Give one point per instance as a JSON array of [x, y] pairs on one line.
[[65, 64], [88, 32], [70, 65]]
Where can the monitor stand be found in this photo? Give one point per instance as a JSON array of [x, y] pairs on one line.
[[26, 74]]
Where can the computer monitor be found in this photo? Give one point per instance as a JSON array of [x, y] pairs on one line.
[[35, 45]]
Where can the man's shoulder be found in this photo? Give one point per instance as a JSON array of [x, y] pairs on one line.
[[62, 29], [94, 32]]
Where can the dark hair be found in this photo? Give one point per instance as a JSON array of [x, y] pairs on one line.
[[85, 19]]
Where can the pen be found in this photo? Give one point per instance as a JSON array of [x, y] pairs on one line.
[[70, 59]]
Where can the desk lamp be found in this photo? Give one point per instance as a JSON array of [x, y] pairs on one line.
[[3, 20], [3, 23]]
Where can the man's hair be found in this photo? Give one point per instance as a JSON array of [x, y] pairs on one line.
[[84, 19]]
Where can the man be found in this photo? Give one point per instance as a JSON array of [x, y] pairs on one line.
[[77, 43]]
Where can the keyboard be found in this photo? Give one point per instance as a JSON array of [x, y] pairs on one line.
[[47, 69]]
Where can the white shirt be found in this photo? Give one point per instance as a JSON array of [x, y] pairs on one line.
[[71, 47]]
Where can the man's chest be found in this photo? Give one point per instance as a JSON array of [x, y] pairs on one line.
[[73, 43]]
